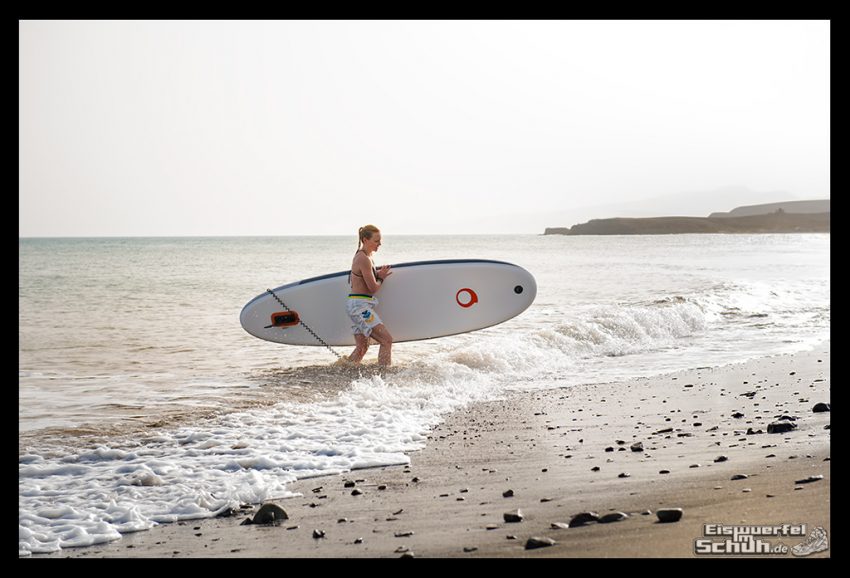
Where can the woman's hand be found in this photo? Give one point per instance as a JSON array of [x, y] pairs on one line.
[[384, 272]]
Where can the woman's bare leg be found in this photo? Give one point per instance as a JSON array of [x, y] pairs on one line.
[[360, 348], [383, 337]]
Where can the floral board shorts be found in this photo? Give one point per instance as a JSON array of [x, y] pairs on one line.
[[361, 310]]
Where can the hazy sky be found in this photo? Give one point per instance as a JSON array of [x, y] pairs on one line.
[[318, 127]]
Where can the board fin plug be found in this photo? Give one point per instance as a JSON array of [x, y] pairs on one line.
[[284, 319]]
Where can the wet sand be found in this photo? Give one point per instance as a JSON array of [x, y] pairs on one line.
[[561, 452]]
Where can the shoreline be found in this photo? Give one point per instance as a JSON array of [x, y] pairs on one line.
[[542, 447]]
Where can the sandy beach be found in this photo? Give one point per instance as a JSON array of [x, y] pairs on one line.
[[555, 454]]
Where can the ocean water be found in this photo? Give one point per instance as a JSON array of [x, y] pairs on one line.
[[142, 401]]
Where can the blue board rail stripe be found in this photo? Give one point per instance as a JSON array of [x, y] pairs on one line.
[[396, 266]]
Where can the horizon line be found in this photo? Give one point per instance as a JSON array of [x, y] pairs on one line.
[[255, 236]]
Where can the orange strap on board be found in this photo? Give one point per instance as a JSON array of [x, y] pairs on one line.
[[284, 319]]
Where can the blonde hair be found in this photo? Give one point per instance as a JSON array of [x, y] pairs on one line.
[[366, 233]]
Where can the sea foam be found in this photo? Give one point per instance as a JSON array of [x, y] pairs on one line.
[[93, 495]]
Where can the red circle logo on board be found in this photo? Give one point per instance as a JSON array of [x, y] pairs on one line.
[[466, 297]]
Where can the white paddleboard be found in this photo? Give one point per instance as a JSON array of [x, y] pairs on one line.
[[420, 300]]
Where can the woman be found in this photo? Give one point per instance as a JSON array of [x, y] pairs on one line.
[[365, 282]]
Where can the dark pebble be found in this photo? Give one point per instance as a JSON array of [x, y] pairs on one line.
[[740, 477], [664, 471], [720, 459], [780, 427], [538, 542], [737, 414], [637, 447], [668, 515], [583, 518], [318, 534], [810, 479], [513, 517], [613, 517], [405, 534], [508, 494], [356, 492], [269, 514], [820, 407], [624, 475]]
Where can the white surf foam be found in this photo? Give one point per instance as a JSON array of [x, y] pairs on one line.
[[94, 495]]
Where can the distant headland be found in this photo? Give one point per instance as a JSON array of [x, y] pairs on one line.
[[787, 217]]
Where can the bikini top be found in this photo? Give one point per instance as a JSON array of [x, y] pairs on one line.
[[350, 273]]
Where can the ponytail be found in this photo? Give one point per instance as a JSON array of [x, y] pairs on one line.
[[366, 232]]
